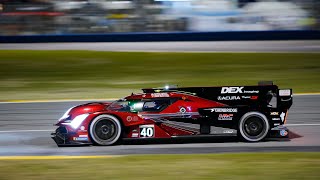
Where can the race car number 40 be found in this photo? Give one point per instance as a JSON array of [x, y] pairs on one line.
[[146, 131]]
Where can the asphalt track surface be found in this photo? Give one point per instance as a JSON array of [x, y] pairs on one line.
[[25, 127], [210, 46], [25, 130]]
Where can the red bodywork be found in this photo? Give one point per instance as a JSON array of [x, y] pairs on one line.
[[184, 105]]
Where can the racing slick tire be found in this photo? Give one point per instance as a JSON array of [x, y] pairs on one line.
[[105, 130], [253, 126]]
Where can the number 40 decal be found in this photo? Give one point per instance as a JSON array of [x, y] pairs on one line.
[[146, 131]]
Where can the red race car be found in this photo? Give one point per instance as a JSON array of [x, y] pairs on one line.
[[249, 112]]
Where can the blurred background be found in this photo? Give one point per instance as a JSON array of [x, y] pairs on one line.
[[31, 17]]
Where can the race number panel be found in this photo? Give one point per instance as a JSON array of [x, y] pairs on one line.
[[146, 131]]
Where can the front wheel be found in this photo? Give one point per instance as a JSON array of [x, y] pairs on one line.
[[105, 130], [253, 126]]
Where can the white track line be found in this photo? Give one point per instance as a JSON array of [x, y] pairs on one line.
[[307, 94], [302, 125], [22, 131], [53, 101]]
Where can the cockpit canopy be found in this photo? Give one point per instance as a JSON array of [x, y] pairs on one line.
[[141, 105]]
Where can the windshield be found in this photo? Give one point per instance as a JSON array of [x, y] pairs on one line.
[[123, 105], [150, 105]]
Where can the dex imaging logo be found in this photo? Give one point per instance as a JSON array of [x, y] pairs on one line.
[[236, 90], [231, 90]]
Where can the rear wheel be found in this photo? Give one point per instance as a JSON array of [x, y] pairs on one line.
[[105, 130], [254, 126]]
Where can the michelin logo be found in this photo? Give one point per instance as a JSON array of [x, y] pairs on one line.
[[231, 110]]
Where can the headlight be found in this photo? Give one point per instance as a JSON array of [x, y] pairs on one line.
[[75, 123]]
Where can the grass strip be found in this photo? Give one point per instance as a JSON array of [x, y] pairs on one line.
[[30, 74], [248, 166]]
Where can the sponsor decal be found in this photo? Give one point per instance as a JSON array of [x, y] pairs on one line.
[[250, 97], [135, 118], [282, 116], [230, 131], [228, 98], [183, 110], [230, 90], [82, 129], [234, 90], [284, 92], [146, 131], [149, 105], [160, 95], [224, 110], [254, 97], [274, 113], [246, 97], [283, 132], [129, 118], [277, 124], [83, 135], [275, 119], [80, 138], [225, 117], [135, 134], [252, 91]]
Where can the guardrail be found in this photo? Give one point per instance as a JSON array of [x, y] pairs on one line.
[[166, 36]]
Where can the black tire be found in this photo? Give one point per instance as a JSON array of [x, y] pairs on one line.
[[253, 126], [105, 130]]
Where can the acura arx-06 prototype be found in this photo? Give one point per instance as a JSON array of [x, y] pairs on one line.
[[252, 113]]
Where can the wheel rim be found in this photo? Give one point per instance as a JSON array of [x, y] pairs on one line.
[[105, 130], [254, 128]]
